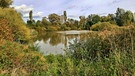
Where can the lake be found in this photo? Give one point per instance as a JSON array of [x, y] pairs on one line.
[[56, 42]]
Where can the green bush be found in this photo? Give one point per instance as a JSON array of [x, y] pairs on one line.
[[92, 48], [103, 26]]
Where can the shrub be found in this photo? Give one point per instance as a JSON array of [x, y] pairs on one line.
[[21, 33], [103, 26], [18, 59], [90, 49]]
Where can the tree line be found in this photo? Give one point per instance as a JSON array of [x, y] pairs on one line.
[[54, 22]]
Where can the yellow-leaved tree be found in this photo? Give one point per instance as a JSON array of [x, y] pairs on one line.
[[15, 21]]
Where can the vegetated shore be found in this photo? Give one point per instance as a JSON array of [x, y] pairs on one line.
[[108, 52], [105, 53]]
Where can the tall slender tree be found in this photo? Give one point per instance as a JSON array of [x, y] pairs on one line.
[[82, 21], [65, 16], [30, 15]]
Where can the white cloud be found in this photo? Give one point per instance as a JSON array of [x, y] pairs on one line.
[[35, 15], [74, 8], [24, 9]]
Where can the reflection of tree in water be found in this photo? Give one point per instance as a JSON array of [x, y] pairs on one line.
[[55, 39], [72, 36], [84, 36], [40, 36], [81, 37], [47, 36], [43, 36]]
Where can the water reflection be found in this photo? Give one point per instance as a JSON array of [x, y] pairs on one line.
[[56, 42]]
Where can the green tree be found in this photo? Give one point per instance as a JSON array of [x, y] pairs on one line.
[[30, 15], [127, 17], [123, 17], [45, 22], [109, 18], [96, 19], [39, 23], [65, 16], [92, 19], [82, 22], [54, 19], [5, 3], [31, 21], [119, 19], [73, 24]]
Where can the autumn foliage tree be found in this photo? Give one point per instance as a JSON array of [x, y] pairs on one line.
[[15, 22], [5, 3]]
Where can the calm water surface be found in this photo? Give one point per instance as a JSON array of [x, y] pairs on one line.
[[56, 42]]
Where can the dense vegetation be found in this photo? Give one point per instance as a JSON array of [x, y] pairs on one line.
[[108, 52], [13, 21]]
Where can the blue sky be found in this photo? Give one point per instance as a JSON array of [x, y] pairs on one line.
[[74, 8]]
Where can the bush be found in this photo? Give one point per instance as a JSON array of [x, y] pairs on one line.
[[103, 26], [18, 59], [21, 33], [90, 49]]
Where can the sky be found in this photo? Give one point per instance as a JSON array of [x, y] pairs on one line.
[[74, 8]]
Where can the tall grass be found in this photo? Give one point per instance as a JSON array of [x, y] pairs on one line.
[[108, 53]]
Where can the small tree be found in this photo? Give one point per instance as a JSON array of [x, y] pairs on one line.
[[5, 3]]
